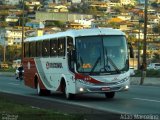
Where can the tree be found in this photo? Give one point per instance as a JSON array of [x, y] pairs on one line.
[[75, 8], [12, 52], [93, 10], [114, 25], [131, 39]]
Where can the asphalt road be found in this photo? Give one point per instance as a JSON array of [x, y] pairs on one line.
[[139, 100]]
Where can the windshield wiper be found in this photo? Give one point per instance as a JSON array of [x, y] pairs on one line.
[[112, 63], [97, 61]]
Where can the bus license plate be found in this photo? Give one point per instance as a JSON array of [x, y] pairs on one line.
[[105, 88]]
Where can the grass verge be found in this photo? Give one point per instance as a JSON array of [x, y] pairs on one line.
[[10, 110], [8, 70]]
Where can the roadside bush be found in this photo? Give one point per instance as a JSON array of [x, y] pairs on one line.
[[10, 69], [150, 73]]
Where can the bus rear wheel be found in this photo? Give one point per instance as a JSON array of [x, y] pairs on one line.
[[110, 95], [42, 92]]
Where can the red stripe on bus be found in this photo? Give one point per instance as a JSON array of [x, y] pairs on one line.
[[86, 78]]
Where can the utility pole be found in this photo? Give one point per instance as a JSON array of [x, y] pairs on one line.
[[4, 52], [144, 64], [22, 51], [138, 45]]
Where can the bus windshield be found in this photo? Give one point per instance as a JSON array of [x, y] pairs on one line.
[[101, 54]]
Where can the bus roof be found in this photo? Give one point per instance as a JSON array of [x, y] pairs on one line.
[[78, 33]]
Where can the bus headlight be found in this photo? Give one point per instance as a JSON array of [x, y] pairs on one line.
[[81, 89], [126, 87]]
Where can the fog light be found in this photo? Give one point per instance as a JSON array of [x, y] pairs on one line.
[[81, 89], [126, 87]]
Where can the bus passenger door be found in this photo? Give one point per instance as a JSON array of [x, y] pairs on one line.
[[70, 54]]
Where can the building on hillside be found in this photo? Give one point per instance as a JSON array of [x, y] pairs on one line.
[[35, 24], [13, 36], [137, 34], [65, 17], [32, 3], [57, 8], [74, 25], [76, 1], [115, 20], [101, 6], [12, 20], [124, 17], [15, 12], [11, 2], [31, 6], [158, 15], [127, 2], [126, 27], [113, 3], [153, 20], [85, 23]]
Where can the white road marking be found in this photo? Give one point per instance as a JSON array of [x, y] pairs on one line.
[[13, 84], [149, 100]]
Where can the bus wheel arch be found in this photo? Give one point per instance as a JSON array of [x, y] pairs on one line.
[[35, 81], [62, 85], [64, 90]]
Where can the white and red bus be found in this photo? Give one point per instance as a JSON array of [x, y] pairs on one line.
[[78, 61]]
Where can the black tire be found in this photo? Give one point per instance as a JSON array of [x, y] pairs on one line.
[[69, 96], [110, 95], [42, 92], [47, 92]]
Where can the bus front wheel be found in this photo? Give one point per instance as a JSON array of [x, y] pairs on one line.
[[69, 96], [110, 94]]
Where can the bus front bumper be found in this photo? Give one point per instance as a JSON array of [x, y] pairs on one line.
[[85, 88]]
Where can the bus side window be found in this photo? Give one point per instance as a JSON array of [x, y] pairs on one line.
[[46, 48], [69, 44], [61, 46], [32, 49], [54, 49], [39, 49], [26, 49]]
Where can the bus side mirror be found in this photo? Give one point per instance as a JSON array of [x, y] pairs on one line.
[[131, 50]]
